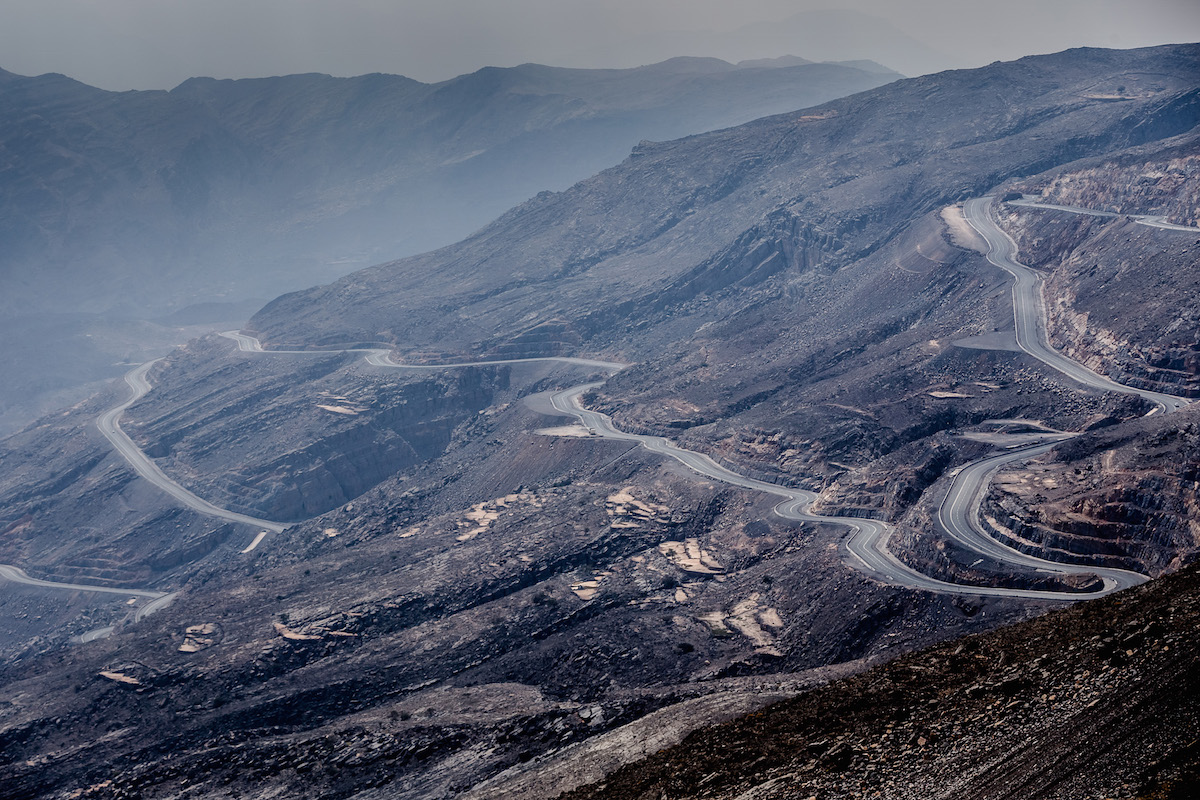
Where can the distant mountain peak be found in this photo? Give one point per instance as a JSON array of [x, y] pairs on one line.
[[769, 63]]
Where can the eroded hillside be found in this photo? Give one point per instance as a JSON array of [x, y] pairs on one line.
[[804, 302]]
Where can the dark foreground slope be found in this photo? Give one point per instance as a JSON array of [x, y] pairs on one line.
[[1099, 700]]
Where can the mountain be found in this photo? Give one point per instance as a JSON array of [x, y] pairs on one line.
[[479, 584], [823, 35], [120, 206], [303, 176], [837, 177]]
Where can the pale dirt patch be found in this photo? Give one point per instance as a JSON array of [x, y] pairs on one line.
[[817, 117], [586, 590], [339, 404], [255, 542], [852, 409], [715, 620], [481, 515], [622, 496], [119, 677], [745, 619], [331, 532], [949, 395], [350, 412], [288, 633], [680, 595], [198, 637], [626, 511], [570, 431], [1003, 439], [691, 557], [770, 617], [961, 232]]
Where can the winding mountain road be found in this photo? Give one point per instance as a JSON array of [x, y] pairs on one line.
[[866, 545], [1029, 310], [958, 514], [1151, 220], [109, 424], [381, 357]]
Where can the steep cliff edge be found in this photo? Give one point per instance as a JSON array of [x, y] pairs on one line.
[[1126, 496]]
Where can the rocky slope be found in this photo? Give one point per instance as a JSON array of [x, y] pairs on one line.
[[1122, 297], [437, 631], [1096, 701], [306, 434], [134, 206], [1162, 185], [1127, 495], [827, 186], [803, 303], [292, 174]]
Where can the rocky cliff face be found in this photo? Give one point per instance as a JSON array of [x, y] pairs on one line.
[[1127, 495], [1168, 184], [1122, 297], [289, 438]]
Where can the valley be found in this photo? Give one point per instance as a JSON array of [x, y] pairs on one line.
[[462, 593], [135, 221]]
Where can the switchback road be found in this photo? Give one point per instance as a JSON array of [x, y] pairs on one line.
[[1029, 310], [1152, 220], [867, 544], [109, 424]]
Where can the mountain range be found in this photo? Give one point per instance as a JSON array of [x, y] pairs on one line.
[[474, 567], [127, 216]]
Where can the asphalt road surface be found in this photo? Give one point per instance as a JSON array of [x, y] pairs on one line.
[[1029, 310], [381, 357], [109, 425], [1153, 220], [867, 543], [157, 600], [866, 546]]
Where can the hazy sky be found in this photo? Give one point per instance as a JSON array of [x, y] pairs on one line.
[[123, 44]]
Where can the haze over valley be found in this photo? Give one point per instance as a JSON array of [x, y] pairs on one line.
[[131, 217], [586, 412]]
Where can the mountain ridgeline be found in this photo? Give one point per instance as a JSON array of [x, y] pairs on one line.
[[846, 176], [227, 189], [485, 594], [125, 216]]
